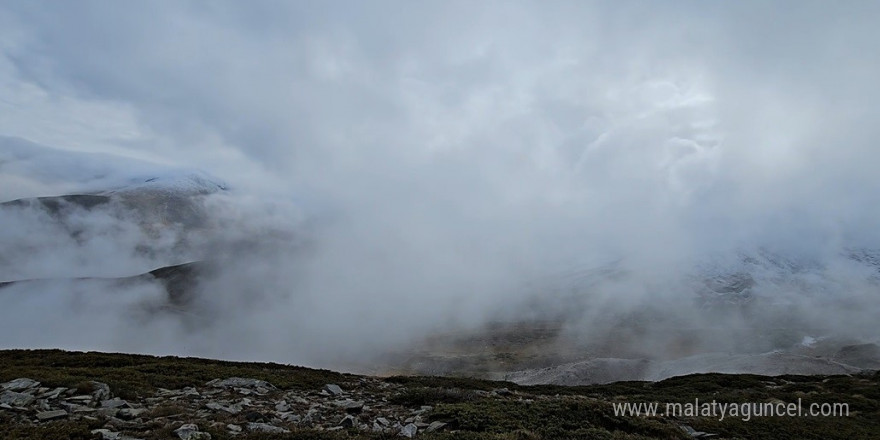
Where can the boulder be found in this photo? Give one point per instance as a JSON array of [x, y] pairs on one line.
[[21, 384], [13, 398], [190, 431], [409, 431], [334, 389], [101, 391], [347, 421], [242, 382], [267, 428], [51, 415]]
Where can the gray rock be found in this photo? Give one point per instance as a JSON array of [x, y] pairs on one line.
[[20, 384], [190, 431], [233, 429], [383, 421], [434, 426], [334, 389], [53, 394], [260, 386], [106, 434], [265, 427], [13, 398], [131, 413], [289, 417], [231, 409], [409, 431], [113, 403], [101, 390], [347, 421], [282, 406], [350, 406], [51, 415]]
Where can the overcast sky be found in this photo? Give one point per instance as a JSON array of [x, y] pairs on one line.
[[538, 131], [741, 116]]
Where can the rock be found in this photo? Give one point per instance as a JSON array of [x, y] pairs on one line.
[[289, 417], [106, 434], [259, 386], [409, 431], [113, 403], [231, 409], [347, 422], [265, 427], [53, 394], [13, 398], [282, 406], [434, 426], [51, 415], [696, 434], [334, 389], [131, 413], [190, 431], [20, 384], [350, 406], [101, 390], [383, 421]]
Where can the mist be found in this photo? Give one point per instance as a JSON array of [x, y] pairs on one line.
[[393, 171]]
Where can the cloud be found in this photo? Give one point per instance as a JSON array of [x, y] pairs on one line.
[[448, 153]]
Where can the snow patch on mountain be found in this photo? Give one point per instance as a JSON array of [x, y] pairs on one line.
[[28, 169]]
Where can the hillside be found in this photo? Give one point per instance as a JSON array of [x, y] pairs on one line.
[[118, 396]]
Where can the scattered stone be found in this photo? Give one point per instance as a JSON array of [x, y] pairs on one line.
[[434, 426], [231, 409], [383, 421], [409, 431], [51, 415], [289, 417], [267, 428], [20, 384], [334, 389], [13, 398], [190, 431], [131, 413], [697, 434], [101, 390], [350, 406], [282, 406], [106, 434], [347, 422], [256, 385], [53, 394], [113, 403], [233, 429]]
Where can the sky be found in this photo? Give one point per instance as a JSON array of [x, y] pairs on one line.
[[456, 143]]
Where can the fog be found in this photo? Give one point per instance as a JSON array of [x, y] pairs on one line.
[[397, 170]]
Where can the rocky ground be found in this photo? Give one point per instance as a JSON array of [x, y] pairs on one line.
[[52, 394]]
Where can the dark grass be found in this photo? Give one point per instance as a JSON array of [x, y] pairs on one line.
[[130, 376]]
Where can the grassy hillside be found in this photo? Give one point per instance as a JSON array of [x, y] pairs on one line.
[[163, 393]]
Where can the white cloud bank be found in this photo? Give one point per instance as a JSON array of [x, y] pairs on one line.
[[463, 148]]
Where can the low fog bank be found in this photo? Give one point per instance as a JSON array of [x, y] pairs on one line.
[[355, 287], [655, 182]]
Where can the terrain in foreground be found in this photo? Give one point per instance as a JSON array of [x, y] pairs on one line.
[[117, 396]]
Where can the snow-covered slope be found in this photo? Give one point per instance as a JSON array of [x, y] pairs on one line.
[[28, 169]]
